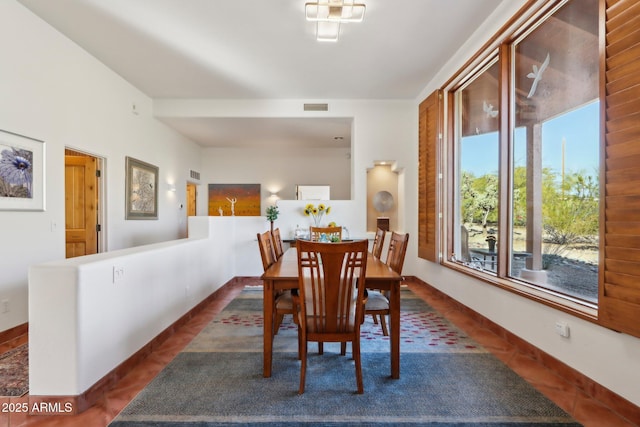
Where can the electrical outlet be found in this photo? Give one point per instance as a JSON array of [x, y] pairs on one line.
[[118, 274], [5, 306], [562, 329]]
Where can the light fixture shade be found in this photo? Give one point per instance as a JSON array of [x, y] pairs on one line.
[[329, 14], [327, 31], [335, 11]]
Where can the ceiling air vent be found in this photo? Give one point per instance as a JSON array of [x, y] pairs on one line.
[[316, 107], [194, 175]]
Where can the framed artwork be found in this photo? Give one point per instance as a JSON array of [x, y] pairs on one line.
[[141, 190], [21, 173], [234, 199]]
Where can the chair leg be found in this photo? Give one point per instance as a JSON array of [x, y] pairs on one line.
[[320, 348], [277, 323], [383, 323], [355, 344], [375, 319], [343, 348], [303, 366]]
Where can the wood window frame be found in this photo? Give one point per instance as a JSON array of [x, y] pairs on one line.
[[618, 305]]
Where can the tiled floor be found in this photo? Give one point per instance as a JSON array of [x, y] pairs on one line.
[[587, 411]]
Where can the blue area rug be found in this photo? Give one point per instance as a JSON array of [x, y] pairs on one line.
[[446, 380]]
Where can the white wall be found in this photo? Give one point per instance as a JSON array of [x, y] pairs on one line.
[[277, 170], [609, 358], [52, 90], [344, 213], [381, 130], [84, 322]]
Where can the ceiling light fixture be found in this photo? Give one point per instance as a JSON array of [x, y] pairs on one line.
[[329, 14]]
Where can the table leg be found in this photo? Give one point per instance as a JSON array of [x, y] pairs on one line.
[[394, 314], [268, 327]]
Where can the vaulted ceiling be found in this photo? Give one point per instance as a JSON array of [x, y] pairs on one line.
[[265, 49]]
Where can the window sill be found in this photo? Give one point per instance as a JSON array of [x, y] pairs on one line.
[[574, 306]]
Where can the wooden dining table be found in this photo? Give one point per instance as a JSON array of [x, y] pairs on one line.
[[283, 274]]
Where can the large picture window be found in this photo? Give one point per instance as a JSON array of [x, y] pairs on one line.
[[477, 168], [525, 158]]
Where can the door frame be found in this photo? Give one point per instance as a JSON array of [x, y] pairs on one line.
[[101, 164]]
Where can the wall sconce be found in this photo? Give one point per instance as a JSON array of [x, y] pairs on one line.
[[172, 188], [274, 196]]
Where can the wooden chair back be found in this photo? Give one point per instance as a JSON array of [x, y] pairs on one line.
[[332, 233], [283, 300], [267, 251], [378, 301], [277, 243], [378, 243], [397, 250], [330, 300]]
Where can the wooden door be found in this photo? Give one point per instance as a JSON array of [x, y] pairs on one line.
[[81, 205], [191, 200]]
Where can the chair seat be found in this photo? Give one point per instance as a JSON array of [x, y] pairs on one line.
[[283, 305], [376, 301], [284, 301], [377, 305], [311, 326]]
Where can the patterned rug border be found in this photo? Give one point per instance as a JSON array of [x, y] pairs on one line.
[[423, 329]]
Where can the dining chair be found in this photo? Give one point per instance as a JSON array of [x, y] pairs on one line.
[[377, 300], [378, 243], [267, 251], [376, 251], [330, 303], [277, 243], [283, 302], [332, 234]]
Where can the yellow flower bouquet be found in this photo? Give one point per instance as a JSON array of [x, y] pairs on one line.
[[316, 212]]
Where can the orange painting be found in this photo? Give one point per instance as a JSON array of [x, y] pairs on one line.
[[234, 199]]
